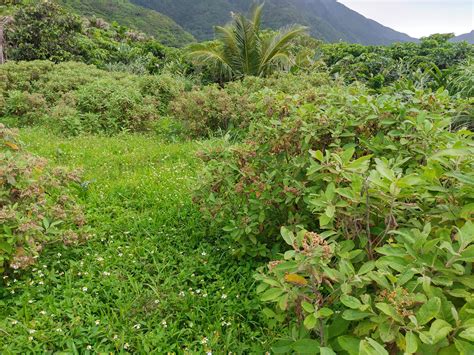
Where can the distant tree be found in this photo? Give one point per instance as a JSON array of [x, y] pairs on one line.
[[243, 49], [43, 31]]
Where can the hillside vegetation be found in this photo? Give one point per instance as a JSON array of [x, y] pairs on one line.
[[326, 19], [161, 27], [264, 192]]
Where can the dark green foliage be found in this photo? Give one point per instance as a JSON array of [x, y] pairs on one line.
[[44, 31], [326, 19], [93, 41], [428, 62]]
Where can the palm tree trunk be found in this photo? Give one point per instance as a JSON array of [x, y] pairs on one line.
[[3, 22], [2, 41]]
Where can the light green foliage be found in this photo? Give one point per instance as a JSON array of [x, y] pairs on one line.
[[163, 29], [149, 279], [75, 98]]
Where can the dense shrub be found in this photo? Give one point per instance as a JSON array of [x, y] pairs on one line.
[[77, 98], [376, 196], [43, 31], [211, 109], [24, 106], [37, 204]]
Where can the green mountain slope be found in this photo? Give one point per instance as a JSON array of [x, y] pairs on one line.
[[327, 19], [149, 21]]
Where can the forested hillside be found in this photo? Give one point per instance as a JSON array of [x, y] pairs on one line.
[[125, 13], [326, 19]]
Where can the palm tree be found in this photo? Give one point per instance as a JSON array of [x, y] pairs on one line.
[[242, 49]]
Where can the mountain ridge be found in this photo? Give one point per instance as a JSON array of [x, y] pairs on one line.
[[327, 19], [468, 37]]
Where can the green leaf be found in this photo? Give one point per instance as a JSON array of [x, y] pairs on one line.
[[288, 236], [308, 307], [330, 211], [271, 294], [428, 311], [411, 341], [310, 321], [439, 330], [464, 347], [350, 314], [350, 302], [349, 343], [468, 334], [389, 311], [365, 268], [326, 351], [306, 346], [324, 312], [371, 347]]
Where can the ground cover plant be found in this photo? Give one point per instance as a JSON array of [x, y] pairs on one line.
[[318, 203], [149, 279]]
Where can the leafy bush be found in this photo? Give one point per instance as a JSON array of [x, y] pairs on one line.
[[25, 106], [37, 205], [77, 98], [211, 109], [377, 198]]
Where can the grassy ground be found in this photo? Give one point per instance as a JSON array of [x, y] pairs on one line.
[[149, 279]]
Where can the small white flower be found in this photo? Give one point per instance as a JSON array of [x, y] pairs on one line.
[[204, 295], [97, 322], [79, 273], [106, 273], [164, 324], [203, 253], [12, 292], [224, 296], [99, 259], [204, 341], [41, 283], [209, 353], [14, 322], [84, 289], [32, 331], [157, 301], [181, 293], [30, 338], [45, 266], [115, 337], [137, 326], [30, 301], [43, 313], [198, 291], [59, 330], [120, 254], [89, 347], [126, 346], [59, 255]]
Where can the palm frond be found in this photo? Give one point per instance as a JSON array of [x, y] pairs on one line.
[[280, 43]]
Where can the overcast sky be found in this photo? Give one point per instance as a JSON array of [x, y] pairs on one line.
[[419, 17]]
